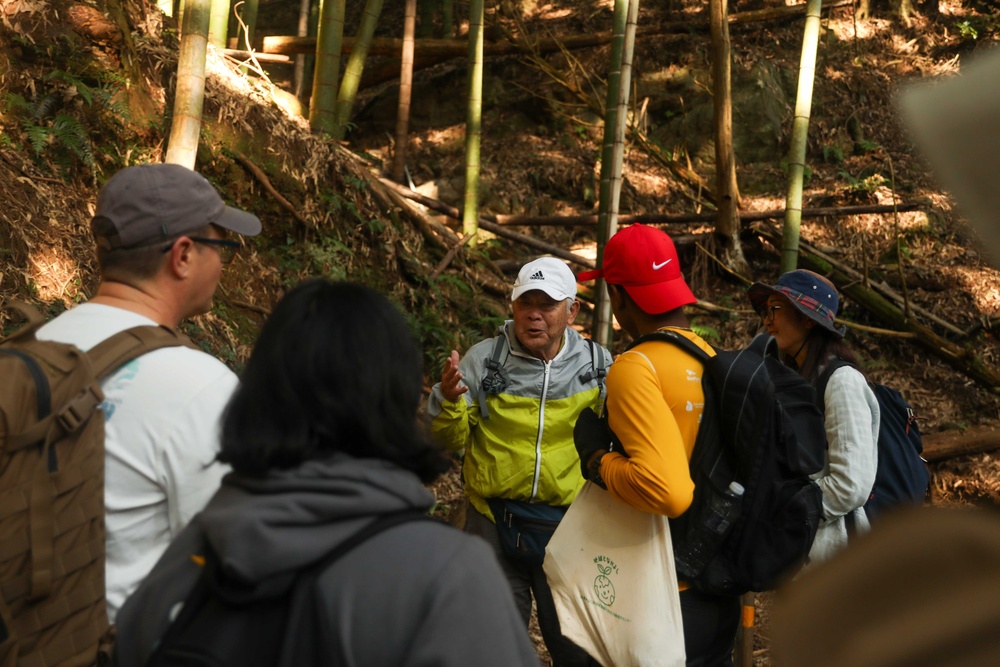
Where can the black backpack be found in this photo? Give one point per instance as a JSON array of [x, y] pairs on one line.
[[226, 622], [902, 477], [761, 429]]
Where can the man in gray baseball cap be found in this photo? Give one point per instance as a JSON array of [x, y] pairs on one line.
[[163, 234]]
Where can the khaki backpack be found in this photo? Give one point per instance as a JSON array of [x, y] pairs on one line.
[[52, 609]]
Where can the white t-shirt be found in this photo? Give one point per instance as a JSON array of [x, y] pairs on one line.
[[162, 416]]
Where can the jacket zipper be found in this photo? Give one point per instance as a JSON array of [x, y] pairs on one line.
[[541, 430]]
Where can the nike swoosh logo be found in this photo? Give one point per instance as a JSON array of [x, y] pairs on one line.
[[657, 267]]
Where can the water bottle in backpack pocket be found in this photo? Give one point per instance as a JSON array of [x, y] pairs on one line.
[[762, 429], [714, 521]]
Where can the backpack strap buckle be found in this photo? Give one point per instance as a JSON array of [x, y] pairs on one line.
[[80, 408]]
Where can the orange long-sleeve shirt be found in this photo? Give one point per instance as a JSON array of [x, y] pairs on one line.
[[654, 404]]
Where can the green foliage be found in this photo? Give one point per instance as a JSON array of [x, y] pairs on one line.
[[330, 258], [967, 30], [341, 205], [67, 110], [865, 146], [863, 184], [709, 333], [833, 154]]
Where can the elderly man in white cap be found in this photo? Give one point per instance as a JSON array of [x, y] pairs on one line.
[[511, 404]]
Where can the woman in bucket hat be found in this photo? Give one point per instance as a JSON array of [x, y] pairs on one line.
[[799, 310]]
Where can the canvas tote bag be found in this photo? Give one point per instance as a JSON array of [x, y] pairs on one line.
[[611, 570]]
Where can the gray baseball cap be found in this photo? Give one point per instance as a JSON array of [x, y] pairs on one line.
[[149, 203]]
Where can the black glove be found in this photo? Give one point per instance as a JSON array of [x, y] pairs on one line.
[[591, 435]]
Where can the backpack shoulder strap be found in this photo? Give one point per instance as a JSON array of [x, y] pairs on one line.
[[824, 379], [598, 369], [379, 525], [493, 365], [674, 338], [207, 586], [124, 346]]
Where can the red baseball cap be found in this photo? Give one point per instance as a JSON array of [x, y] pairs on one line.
[[644, 261]]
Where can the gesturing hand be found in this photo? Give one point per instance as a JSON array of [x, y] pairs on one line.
[[451, 380]]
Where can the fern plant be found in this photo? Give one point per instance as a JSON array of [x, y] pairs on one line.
[[56, 122]]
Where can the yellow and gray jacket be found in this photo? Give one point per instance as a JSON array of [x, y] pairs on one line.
[[517, 426]]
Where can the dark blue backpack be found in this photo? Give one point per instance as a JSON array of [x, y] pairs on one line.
[[902, 477]]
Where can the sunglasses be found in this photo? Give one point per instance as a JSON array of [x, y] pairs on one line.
[[227, 249]]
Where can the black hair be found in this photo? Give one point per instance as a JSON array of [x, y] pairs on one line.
[[335, 369], [824, 346]]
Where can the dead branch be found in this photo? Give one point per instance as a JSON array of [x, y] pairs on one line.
[[489, 225], [446, 260], [433, 232], [949, 444], [259, 174]]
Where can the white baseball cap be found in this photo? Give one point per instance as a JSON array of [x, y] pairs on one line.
[[548, 274]]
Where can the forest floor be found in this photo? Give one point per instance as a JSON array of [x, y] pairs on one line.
[[541, 135], [540, 156]]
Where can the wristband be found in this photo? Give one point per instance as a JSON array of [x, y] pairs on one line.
[[594, 469]]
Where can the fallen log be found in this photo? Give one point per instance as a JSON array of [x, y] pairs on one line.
[[680, 218], [949, 444]]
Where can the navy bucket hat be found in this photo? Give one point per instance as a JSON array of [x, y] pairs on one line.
[[812, 295]]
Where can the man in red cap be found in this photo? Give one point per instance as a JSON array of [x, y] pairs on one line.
[[654, 406]]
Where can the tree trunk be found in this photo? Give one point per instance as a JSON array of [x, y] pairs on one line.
[[299, 78], [727, 196], [425, 27], [448, 18], [405, 91], [800, 133], [474, 119], [218, 25], [601, 327], [355, 66], [432, 51], [189, 100], [330, 34]]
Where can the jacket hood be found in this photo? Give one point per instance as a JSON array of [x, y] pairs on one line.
[[262, 528]]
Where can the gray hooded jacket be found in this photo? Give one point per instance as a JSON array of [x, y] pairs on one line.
[[417, 594]]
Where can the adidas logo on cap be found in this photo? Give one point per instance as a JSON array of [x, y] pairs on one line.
[[537, 275]]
